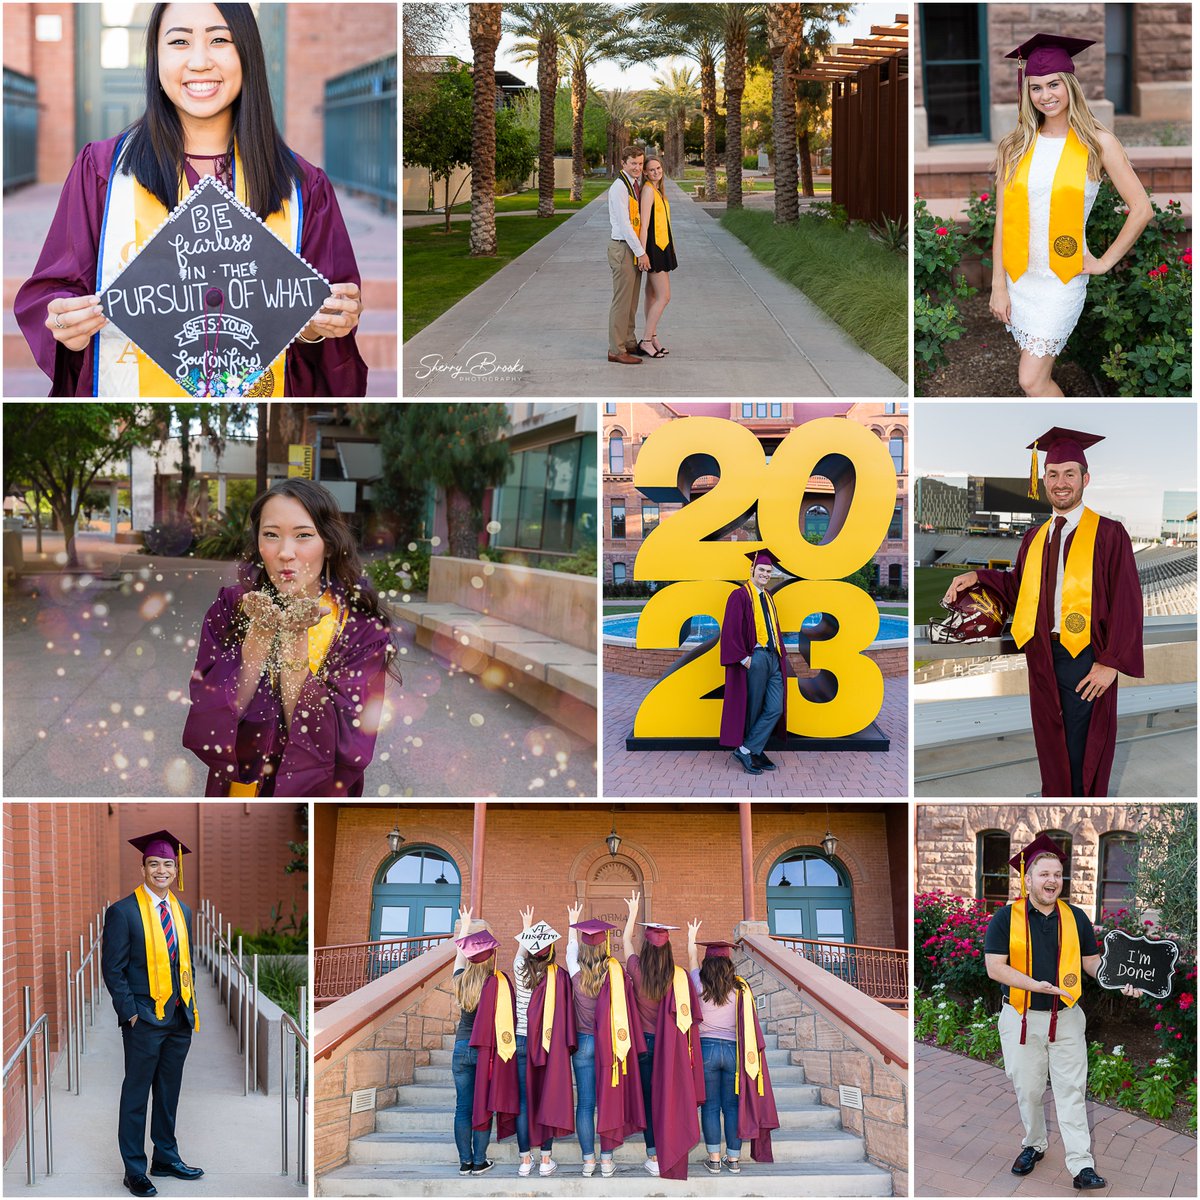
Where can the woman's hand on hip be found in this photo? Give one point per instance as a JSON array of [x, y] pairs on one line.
[[72, 320], [1093, 266], [339, 314], [1001, 305]]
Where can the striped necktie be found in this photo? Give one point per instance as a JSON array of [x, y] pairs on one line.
[[164, 915]]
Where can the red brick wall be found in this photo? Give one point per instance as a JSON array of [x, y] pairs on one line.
[[54, 67], [686, 863], [18, 37], [361, 34]]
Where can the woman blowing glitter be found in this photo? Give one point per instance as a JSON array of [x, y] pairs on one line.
[[287, 691]]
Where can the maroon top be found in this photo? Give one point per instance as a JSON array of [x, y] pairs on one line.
[[550, 1100], [1116, 642], [497, 1088], [67, 267], [738, 640], [647, 1009]]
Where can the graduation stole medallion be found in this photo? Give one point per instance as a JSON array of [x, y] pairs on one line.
[[1075, 620], [635, 212], [1069, 975], [662, 219], [1066, 213], [747, 1042], [506, 1042], [548, 1006], [760, 624], [158, 957], [131, 217], [618, 1020]]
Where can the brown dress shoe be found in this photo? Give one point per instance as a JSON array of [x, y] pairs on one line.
[[628, 359]]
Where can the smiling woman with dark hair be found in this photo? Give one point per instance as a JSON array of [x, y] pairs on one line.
[[208, 112], [287, 691]]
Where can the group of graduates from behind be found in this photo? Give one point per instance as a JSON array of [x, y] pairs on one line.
[[653, 1048]]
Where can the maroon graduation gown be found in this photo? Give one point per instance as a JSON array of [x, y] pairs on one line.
[[497, 1087], [757, 1115], [67, 267], [676, 1085], [1116, 642], [737, 641], [549, 1097], [325, 753], [620, 1110]]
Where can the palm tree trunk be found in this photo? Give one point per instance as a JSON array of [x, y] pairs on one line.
[[547, 90], [461, 534], [578, 100], [485, 36], [708, 108], [783, 107], [733, 147]]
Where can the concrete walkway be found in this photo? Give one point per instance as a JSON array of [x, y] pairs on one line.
[[539, 326], [968, 1132], [235, 1138], [96, 693]]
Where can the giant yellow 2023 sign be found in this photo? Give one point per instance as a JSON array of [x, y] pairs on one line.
[[846, 694]]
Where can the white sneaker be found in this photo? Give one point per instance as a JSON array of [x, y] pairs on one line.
[[525, 1168], [589, 1168], [548, 1167], [608, 1168], [650, 1166]]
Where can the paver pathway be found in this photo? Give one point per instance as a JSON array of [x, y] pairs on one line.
[[539, 326], [968, 1132]]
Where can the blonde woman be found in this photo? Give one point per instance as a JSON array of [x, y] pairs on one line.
[[658, 244], [1048, 172]]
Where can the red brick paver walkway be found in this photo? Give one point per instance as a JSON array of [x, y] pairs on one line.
[[714, 773], [968, 1132]]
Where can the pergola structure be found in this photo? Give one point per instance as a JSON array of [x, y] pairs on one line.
[[869, 79]]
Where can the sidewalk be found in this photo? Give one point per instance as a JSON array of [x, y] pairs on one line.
[[539, 326], [235, 1138], [96, 693], [968, 1132]]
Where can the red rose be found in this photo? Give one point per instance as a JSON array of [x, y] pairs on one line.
[[941, 231], [985, 197]]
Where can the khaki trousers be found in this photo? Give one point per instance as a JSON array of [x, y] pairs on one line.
[[627, 286], [1066, 1061]]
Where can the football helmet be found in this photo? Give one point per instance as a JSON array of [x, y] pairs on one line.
[[975, 615]]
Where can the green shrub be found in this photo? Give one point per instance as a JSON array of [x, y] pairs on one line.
[[1157, 1090], [281, 979], [401, 572], [935, 326], [1110, 1076], [170, 538], [225, 535], [938, 251], [983, 1033], [981, 225], [750, 162], [582, 562]]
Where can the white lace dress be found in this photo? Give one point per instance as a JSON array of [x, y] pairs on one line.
[[1044, 309]]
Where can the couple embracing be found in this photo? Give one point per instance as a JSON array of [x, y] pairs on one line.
[[640, 217]]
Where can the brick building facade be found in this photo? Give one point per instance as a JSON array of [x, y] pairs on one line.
[[628, 517]]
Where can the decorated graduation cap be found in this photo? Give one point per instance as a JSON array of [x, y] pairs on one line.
[[1023, 859], [479, 946], [657, 934], [1047, 54], [1061, 446], [717, 949], [162, 844], [538, 938]]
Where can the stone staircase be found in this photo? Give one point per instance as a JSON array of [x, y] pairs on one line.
[[412, 1151]]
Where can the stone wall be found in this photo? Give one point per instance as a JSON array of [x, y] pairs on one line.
[[1008, 25], [1162, 35]]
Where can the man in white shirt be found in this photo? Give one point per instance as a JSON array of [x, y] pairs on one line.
[[626, 258]]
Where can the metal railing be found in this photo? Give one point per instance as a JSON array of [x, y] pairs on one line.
[[83, 994], [342, 969], [360, 129], [880, 972], [286, 1025], [216, 950], [25, 1049], [20, 129]]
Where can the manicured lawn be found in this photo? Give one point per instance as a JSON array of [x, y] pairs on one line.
[[438, 271], [748, 185], [894, 610], [528, 201], [929, 586], [860, 284], [611, 609]]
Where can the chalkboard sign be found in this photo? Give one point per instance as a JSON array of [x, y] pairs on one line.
[[1146, 964], [214, 296]]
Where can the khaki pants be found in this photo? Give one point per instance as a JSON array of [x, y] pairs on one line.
[[1066, 1061], [627, 286]]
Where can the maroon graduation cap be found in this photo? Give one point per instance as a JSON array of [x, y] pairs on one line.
[[1047, 54], [593, 932], [1061, 446], [717, 949], [478, 946], [657, 934], [162, 844]]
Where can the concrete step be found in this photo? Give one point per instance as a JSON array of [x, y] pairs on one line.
[[776, 1059], [756, 1179], [432, 1120], [782, 1076], [442, 1094]]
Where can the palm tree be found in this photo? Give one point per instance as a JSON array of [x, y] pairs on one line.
[[485, 37], [673, 101], [540, 28], [738, 19], [785, 33], [622, 105]]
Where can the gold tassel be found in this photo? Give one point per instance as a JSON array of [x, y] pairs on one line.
[[1033, 473], [179, 851]]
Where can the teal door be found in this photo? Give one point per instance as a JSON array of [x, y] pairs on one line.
[[416, 894], [809, 896]]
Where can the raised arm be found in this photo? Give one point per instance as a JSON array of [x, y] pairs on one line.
[[630, 921], [693, 953], [464, 925], [574, 912]]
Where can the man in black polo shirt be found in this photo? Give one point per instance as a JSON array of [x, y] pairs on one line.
[[1037, 948]]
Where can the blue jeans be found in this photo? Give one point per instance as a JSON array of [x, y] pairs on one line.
[[584, 1062], [523, 1116], [472, 1144], [720, 1070], [645, 1068]]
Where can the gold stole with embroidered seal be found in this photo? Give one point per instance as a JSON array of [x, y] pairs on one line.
[[1075, 619]]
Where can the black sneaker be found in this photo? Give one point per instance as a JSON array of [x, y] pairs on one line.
[[480, 1168], [712, 1167], [464, 1168]]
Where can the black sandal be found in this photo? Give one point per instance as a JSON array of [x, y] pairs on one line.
[[660, 349], [657, 352]]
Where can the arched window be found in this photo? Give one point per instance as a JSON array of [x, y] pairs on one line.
[[991, 867], [1118, 853], [1062, 840], [416, 894], [616, 455], [816, 521], [809, 896]]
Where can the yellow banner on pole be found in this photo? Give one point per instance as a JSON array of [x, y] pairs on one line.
[[300, 462]]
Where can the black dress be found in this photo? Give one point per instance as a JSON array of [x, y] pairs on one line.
[[660, 260]]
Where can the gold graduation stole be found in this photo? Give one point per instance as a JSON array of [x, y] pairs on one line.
[[635, 211], [662, 219], [158, 958], [506, 1042], [618, 1020], [1066, 213], [683, 1010], [747, 1042], [1075, 620], [548, 1006], [132, 216], [760, 623], [1070, 963]]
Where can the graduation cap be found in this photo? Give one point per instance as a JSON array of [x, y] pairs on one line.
[[1047, 54], [1039, 846], [214, 297], [1061, 446], [593, 932], [762, 556], [162, 844], [717, 949], [538, 938], [657, 934], [478, 947]]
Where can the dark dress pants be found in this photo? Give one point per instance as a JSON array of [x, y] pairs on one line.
[[1076, 712], [764, 698], [154, 1057]]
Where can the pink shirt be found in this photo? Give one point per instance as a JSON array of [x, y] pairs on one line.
[[716, 1020]]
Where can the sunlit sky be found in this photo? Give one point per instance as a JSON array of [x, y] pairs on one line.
[[1148, 448], [609, 75]]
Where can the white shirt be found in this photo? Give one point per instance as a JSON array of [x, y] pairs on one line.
[[1072, 521], [154, 899], [523, 996], [618, 214]]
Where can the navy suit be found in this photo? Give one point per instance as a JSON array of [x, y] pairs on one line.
[[155, 1049]]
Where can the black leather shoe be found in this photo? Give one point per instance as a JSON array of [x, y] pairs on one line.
[[179, 1169], [747, 762], [139, 1185], [762, 761], [1087, 1178], [1027, 1160]]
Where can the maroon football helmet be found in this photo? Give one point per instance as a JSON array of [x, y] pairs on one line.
[[975, 615]]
